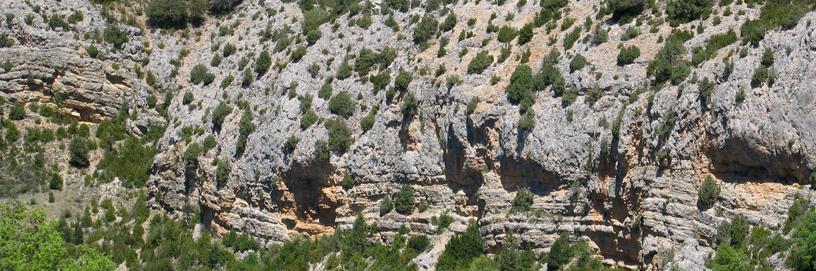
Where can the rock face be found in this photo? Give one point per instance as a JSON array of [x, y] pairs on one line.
[[632, 193]]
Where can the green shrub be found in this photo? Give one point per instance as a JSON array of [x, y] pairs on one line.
[[229, 49], [560, 252], [519, 91], [325, 91], [527, 121], [759, 77], [448, 23], [131, 162], [339, 135], [262, 63], [402, 81], [578, 62], [245, 127], [220, 114], [79, 152], [522, 201], [199, 74], [380, 81], [247, 78], [571, 38], [342, 104], [623, 11], [709, 191], [669, 64], [222, 172], [715, 43], [386, 205], [419, 243], [525, 34], [17, 112], [313, 18], [347, 182], [630, 33], [507, 34], [480, 62], [227, 81], [291, 143], [309, 118], [767, 58], [783, 14], [298, 54], [367, 122], [728, 258], [461, 250], [176, 13], [804, 243], [115, 36], [410, 105], [471, 106], [56, 182], [425, 29], [92, 51], [404, 202], [683, 11], [628, 54], [705, 88]]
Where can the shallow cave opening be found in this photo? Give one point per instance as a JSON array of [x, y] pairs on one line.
[[305, 184], [516, 173], [737, 161]]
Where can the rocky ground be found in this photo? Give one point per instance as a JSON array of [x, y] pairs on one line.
[[620, 166]]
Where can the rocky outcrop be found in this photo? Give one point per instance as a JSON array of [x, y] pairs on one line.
[[623, 171]]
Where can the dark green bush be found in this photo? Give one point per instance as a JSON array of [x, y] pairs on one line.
[[578, 62], [176, 13], [339, 135], [709, 191], [262, 63], [380, 81], [507, 34], [367, 122], [56, 182], [131, 162], [783, 14], [527, 121], [571, 38], [245, 127], [92, 51], [17, 112], [525, 34], [683, 11], [309, 118], [79, 152], [425, 29], [522, 201], [628, 54], [623, 11], [115, 36], [291, 143], [480, 62], [519, 91], [759, 77], [461, 250], [386, 205], [804, 243], [419, 243], [669, 64], [220, 114], [402, 81], [342, 104], [222, 172], [448, 23], [199, 74], [404, 201]]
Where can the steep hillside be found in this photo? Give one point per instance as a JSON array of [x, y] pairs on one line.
[[639, 127]]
